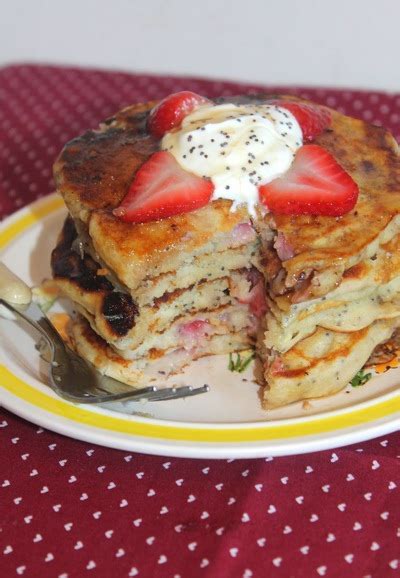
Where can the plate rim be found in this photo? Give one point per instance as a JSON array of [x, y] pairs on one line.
[[381, 413]]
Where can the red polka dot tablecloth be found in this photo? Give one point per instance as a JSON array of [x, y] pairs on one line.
[[69, 509]]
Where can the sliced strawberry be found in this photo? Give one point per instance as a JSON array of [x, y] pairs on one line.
[[277, 367], [254, 294], [315, 184], [194, 333], [160, 189], [313, 119], [171, 111], [257, 301]]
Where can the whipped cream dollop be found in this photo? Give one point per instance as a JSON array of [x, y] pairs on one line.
[[238, 147]]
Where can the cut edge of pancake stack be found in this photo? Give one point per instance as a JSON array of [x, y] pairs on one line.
[[154, 296], [175, 316]]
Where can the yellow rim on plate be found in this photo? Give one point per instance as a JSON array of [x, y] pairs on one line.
[[313, 426]]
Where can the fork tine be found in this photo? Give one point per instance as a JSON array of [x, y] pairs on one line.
[[133, 395], [178, 392]]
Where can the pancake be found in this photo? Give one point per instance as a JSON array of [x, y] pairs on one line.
[[369, 291], [188, 316], [331, 284], [322, 364], [141, 372]]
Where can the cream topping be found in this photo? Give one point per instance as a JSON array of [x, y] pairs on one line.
[[238, 147]]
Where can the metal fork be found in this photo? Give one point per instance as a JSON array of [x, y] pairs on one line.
[[74, 379]]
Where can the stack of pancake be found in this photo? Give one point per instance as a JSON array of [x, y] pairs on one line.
[[153, 296], [334, 282], [150, 296]]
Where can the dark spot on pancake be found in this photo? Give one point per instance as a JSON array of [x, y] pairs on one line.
[[68, 264], [367, 166], [253, 276], [89, 280], [120, 311], [98, 167], [302, 276]]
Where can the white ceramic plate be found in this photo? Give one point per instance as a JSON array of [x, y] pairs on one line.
[[227, 422]]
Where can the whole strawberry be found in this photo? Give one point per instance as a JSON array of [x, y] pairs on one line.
[[313, 119], [171, 111]]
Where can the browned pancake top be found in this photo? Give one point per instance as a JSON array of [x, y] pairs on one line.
[[95, 170], [187, 231]]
